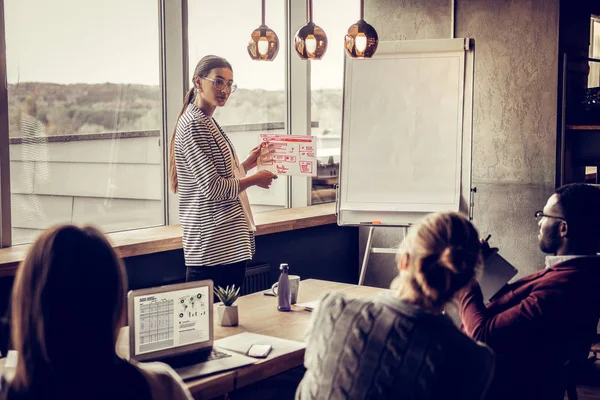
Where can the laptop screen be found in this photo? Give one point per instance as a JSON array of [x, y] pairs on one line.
[[171, 318]]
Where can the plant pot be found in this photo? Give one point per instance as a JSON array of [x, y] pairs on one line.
[[227, 315]]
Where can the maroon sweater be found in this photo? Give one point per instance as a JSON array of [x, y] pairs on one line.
[[535, 326]]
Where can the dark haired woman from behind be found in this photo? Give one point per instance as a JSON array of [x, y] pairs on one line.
[[400, 345], [214, 211], [68, 305]]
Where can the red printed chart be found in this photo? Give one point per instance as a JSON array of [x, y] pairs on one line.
[[289, 154]]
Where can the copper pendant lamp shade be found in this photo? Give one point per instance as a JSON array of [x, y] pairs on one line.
[[361, 40], [310, 40], [264, 43]]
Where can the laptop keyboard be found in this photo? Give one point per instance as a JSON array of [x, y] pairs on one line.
[[196, 358], [216, 354]]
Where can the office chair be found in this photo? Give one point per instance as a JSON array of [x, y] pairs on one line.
[[586, 372], [570, 378]]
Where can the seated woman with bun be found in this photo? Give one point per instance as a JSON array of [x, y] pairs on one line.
[[400, 345], [68, 304]]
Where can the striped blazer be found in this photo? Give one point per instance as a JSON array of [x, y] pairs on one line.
[[215, 230]]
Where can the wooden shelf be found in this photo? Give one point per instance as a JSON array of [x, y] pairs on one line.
[[322, 195], [582, 149], [325, 180], [583, 127], [164, 238]]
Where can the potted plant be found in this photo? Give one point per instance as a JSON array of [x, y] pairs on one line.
[[227, 312]]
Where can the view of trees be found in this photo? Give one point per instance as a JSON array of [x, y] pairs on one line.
[[108, 107]]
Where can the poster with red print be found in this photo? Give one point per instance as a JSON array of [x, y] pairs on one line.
[[288, 154]]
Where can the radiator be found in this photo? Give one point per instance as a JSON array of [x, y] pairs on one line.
[[257, 279]]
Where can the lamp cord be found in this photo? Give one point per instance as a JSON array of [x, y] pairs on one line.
[[362, 10], [452, 18]]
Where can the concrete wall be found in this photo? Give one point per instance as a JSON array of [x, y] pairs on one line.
[[113, 180], [515, 99], [113, 183]]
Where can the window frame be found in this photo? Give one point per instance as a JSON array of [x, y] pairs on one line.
[[298, 98], [174, 68], [5, 193]]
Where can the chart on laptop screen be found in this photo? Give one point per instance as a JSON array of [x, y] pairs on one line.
[[171, 319]]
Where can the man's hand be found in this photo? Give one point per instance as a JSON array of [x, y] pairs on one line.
[[486, 250]]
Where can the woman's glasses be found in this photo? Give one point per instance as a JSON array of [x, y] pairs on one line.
[[220, 83], [540, 214]]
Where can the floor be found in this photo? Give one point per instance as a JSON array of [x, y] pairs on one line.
[[278, 387], [589, 389], [283, 386], [588, 392]]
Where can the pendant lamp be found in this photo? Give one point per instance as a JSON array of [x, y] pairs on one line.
[[264, 43], [361, 40], [310, 40]]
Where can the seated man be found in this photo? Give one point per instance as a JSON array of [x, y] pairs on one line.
[[546, 321]]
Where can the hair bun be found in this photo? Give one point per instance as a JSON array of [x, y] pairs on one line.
[[435, 275], [444, 253], [441, 274], [449, 258]]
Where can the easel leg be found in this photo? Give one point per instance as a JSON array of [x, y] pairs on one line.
[[363, 269]]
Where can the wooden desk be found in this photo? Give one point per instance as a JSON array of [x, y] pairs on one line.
[[258, 314]]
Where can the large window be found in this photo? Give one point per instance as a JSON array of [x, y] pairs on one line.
[[84, 113], [327, 82], [258, 106], [85, 104], [594, 75]]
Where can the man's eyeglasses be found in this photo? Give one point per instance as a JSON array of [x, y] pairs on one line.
[[540, 214], [220, 83]]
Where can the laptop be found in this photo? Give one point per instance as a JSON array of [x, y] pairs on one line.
[[496, 273], [174, 324]]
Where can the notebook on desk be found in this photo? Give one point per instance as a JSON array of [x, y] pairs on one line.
[[174, 324]]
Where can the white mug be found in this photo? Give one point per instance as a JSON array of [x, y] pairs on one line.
[[294, 287]]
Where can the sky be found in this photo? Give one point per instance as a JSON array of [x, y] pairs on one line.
[[84, 41]]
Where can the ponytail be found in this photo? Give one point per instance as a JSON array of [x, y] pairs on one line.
[[444, 254], [439, 276], [173, 183], [203, 68]]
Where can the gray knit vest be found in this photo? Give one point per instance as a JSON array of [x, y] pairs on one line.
[[385, 348]]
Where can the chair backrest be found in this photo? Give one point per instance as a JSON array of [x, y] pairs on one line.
[[574, 367], [569, 379]]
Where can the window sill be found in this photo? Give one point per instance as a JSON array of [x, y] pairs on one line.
[[164, 238]]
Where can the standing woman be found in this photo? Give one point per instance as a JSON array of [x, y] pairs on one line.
[[214, 211]]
